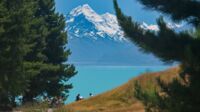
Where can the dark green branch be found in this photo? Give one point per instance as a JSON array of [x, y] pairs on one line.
[[165, 44], [177, 9]]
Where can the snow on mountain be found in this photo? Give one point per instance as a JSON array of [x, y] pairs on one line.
[[149, 27], [83, 20], [153, 27], [85, 26], [96, 39], [88, 12]]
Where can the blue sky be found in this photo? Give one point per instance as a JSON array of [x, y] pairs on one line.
[[129, 7]]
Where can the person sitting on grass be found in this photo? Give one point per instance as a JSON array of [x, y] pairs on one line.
[[79, 97], [91, 95]]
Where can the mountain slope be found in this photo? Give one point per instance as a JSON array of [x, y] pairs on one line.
[[122, 98], [83, 21], [98, 40]]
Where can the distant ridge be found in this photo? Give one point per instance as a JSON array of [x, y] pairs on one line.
[[100, 26], [96, 39]]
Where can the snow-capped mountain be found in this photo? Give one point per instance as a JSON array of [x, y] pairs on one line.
[[83, 21], [96, 39]]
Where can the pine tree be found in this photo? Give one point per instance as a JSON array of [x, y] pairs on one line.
[[32, 51], [15, 17], [171, 46], [52, 81]]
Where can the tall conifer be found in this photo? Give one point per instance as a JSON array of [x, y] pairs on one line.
[[171, 46], [15, 18], [52, 81]]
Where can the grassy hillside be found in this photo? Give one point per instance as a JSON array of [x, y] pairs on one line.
[[122, 98]]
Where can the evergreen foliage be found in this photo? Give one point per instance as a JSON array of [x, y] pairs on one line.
[[169, 45], [149, 98], [51, 81], [33, 55], [15, 17], [178, 10]]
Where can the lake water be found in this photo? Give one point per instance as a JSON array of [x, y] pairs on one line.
[[99, 79]]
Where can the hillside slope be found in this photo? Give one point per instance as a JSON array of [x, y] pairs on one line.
[[122, 98]]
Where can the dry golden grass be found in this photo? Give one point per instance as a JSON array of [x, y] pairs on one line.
[[32, 107], [121, 99]]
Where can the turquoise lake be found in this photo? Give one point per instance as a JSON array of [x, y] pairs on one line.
[[99, 79]]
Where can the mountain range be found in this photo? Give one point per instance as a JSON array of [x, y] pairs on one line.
[[96, 39]]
